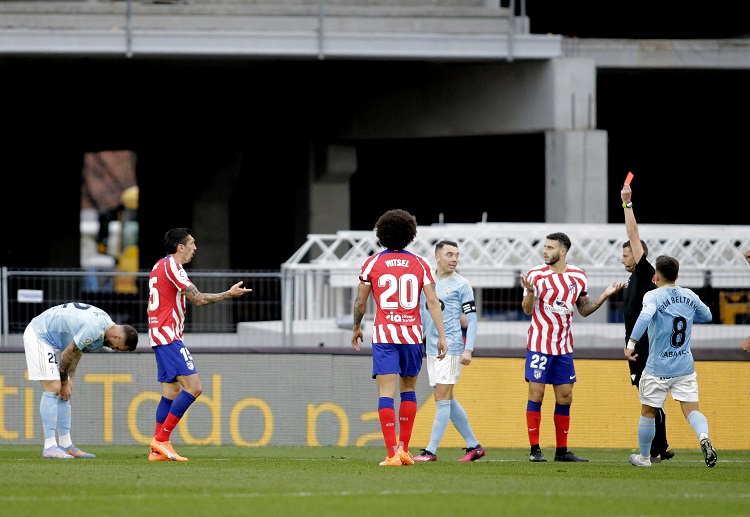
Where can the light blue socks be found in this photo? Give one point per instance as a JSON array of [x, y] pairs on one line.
[[461, 421], [442, 416]]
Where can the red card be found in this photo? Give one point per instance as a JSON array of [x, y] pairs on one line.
[[629, 178]]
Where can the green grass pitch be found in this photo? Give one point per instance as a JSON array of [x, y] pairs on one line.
[[336, 481]]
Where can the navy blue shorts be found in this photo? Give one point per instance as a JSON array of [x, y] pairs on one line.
[[402, 359], [550, 369], [173, 360]]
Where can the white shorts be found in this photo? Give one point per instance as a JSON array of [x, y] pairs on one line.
[[652, 391], [444, 371], [41, 358]]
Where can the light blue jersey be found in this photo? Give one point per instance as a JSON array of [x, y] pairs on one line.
[[456, 297], [79, 322], [669, 313]]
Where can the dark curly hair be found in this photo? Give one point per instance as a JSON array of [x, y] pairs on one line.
[[396, 229]]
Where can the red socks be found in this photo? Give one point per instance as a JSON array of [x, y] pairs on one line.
[[562, 425], [533, 418], [164, 431], [406, 413], [388, 426]]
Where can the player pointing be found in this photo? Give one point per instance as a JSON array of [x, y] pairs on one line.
[[169, 287]]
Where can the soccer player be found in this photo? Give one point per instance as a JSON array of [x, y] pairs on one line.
[[634, 258], [169, 286], [53, 343], [550, 292], [457, 299], [396, 277], [669, 312]]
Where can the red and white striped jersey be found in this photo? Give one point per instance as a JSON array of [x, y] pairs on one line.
[[166, 302], [556, 296], [397, 279]]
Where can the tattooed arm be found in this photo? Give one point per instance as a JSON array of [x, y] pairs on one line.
[[199, 298], [586, 306], [68, 362]]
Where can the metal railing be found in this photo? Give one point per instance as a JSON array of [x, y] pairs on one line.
[[309, 302], [493, 255], [26, 293]]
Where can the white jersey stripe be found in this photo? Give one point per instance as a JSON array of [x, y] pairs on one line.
[[406, 332], [551, 318]]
